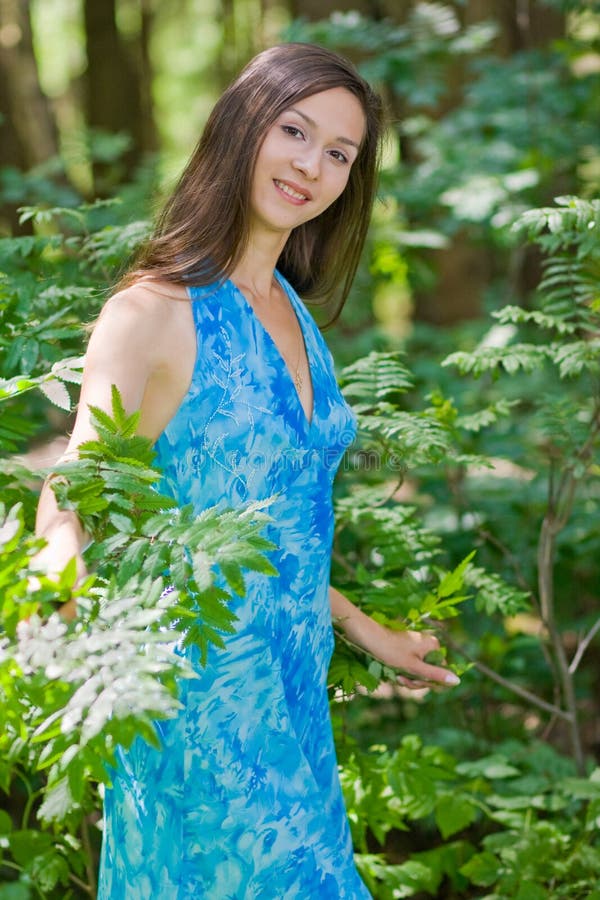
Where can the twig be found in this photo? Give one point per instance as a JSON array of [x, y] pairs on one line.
[[80, 884], [559, 509], [514, 688], [586, 641], [89, 867]]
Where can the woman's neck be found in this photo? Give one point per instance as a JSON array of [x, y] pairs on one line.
[[255, 270]]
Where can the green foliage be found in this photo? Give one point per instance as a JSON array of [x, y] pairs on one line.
[[111, 487], [51, 284], [567, 296], [390, 560], [562, 340], [374, 383], [411, 58], [533, 820]]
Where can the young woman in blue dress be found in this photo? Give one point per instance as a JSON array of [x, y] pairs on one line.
[[209, 339]]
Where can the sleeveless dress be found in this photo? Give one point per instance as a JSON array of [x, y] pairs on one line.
[[244, 802]]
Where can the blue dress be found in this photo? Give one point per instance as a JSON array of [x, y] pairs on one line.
[[244, 801]]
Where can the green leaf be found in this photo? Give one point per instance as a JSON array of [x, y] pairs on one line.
[[376, 377], [347, 669], [416, 876], [27, 843], [57, 393], [234, 577], [453, 812], [5, 822], [483, 869], [495, 766], [527, 357], [453, 581], [49, 870], [581, 788], [529, 890], [102, 420], [122, 523]]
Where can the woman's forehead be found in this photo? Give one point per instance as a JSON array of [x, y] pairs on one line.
[[334, 110]]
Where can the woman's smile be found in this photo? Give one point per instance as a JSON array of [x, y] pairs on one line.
[[292, 192]]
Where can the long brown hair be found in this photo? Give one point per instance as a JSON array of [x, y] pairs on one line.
[[202, 231]]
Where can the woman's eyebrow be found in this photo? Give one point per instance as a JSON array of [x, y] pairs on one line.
[[313, 124]]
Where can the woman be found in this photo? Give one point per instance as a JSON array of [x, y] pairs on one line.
[[209, 339]]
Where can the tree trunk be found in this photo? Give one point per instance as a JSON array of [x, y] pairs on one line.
[[118, 85], [28, 134], [28, 108], [11, 154], [244, 32], [227, 62], [522, 24], [313, 10], [148, 135]]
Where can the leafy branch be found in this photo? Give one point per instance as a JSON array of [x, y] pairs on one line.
[[71, 693]]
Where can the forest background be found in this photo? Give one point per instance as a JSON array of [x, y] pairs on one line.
[[470, 349]]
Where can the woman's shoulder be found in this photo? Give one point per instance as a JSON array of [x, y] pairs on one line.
[[147, 316], [144, 306], [146, 296], [143, 344]]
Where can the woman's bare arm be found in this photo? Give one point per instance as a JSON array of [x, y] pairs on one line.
[[404, 650], [130, 347]]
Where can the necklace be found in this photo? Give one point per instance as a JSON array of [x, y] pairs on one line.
[[298, 376], [298, 380]]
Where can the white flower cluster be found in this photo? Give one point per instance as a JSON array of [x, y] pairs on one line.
[[112, 664]]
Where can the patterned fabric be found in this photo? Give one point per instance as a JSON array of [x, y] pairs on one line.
[[244, 800]]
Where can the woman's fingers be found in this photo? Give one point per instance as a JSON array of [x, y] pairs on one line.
[[429, 675], [408, 652], [424, 645], [436, 673], [412, 683]]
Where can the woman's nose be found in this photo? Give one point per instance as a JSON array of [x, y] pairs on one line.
[[309, 163]]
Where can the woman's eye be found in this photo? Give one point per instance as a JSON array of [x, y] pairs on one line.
[[338, 155], [292, 130]]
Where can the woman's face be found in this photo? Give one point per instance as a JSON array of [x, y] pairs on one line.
[[304, 162]]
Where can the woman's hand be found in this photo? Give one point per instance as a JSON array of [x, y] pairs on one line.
[[43, 563], [404, 650]]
